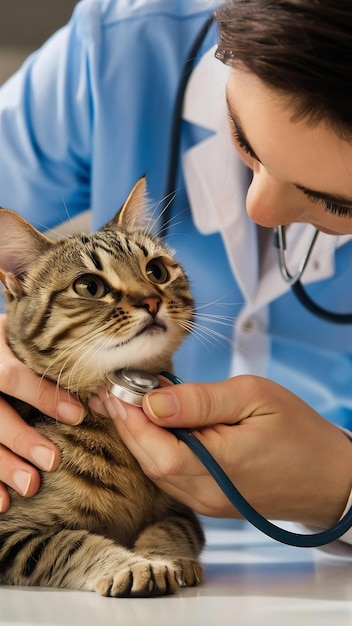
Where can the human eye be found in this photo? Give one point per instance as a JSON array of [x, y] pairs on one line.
[[336, 209], [328, 205], [243, 146], [241, 141]]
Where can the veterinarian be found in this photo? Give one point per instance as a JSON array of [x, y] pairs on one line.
[[266, 141]]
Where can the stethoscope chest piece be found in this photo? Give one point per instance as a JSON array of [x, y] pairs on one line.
[[131, 385]]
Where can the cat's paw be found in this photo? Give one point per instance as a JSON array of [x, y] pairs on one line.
[[188, 573], [150, 577]]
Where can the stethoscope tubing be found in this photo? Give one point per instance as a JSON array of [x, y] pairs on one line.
[[294, 280], [247, 510], [280, 244]]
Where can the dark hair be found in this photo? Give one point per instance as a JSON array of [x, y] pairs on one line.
[[301, 47]]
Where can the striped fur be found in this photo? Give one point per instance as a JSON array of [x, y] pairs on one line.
[[77, 309]]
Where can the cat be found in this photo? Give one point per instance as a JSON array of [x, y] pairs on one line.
[[78, 308]]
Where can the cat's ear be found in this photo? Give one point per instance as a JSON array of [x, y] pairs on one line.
[[133, 213], [20, 246]]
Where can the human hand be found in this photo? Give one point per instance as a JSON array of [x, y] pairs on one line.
[[19, 441], [285, 459]]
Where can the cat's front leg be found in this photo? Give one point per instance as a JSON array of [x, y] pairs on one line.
[[110, 569], [178, 539], [78, 559], [153, 576], [114, 571]]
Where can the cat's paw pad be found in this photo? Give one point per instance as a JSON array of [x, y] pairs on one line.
[[150, 578]]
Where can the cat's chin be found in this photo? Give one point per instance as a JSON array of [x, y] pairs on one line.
[[149, 350], [152, 330]]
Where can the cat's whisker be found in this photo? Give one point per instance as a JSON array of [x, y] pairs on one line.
[[66, 210], [166, 226], [215, 319], [86, 358], [171, 223], [152, 226], [52, 363], [198, 330], [198, 336], [169, 198], [217, 302], [52, 232], [72, 356], [213, 334]]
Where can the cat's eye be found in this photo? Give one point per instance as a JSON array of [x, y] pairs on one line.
[[90, 286], [157, 272]]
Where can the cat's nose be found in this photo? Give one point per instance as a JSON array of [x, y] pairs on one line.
[[151, 304]]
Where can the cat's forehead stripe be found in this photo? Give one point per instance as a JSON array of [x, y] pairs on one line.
[[114, 243], [143, 248], [96, 260]]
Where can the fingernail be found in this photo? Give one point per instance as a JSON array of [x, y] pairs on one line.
[[95, 403], [43, 457], [115, 407], [1, 504], [71, 413], [162, 404], [22, 481]]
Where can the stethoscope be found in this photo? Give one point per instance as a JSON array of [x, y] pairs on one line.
[[294, 280], [130, 385], [145, 381]]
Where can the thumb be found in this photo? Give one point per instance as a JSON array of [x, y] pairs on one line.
[[202, 404]]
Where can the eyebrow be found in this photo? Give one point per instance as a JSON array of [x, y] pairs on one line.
[[241, 135]]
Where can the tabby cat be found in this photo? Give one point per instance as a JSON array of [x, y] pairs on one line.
[[77, 309]]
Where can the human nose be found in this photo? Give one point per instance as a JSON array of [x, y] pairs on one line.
[[271, 202]]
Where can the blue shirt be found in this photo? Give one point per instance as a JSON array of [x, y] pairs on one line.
[[87, 115]]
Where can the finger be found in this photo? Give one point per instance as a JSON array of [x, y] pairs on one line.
[[97, 405], [18, 381], [196, 405], [4, 498], [25, 441], [169, 462], [15, 473], [158, 451]]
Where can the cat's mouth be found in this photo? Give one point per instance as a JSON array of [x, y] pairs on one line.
[[151, 327]]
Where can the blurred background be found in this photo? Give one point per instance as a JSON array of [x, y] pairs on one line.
[[25, 25]]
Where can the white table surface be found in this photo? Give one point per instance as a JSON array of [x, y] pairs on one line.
[[249, 581]]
